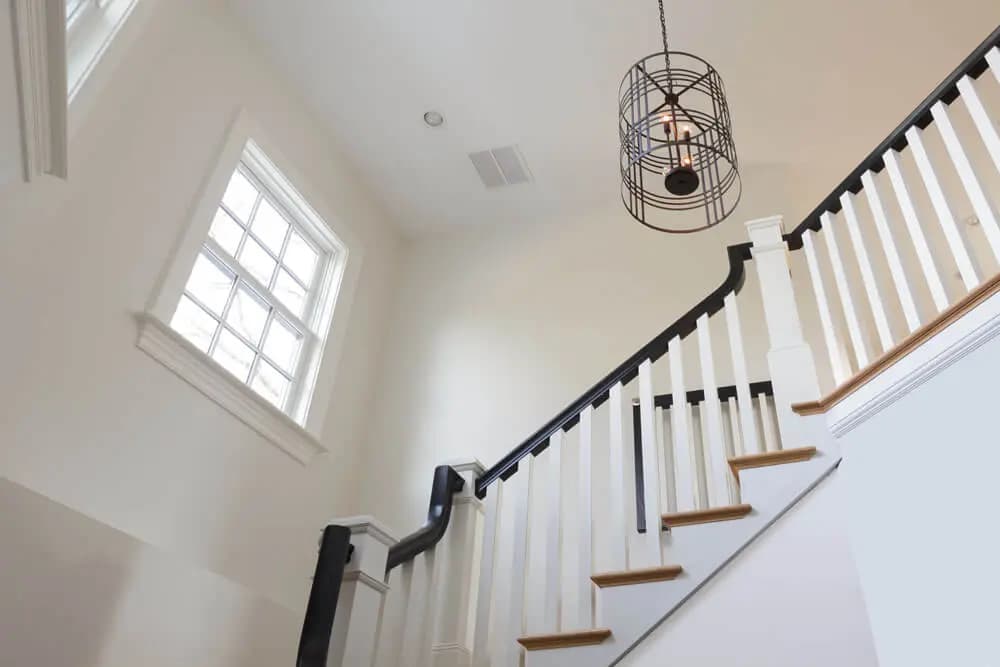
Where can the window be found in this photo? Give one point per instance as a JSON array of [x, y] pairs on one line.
[[245, 307], [250, 302], [91, 25]]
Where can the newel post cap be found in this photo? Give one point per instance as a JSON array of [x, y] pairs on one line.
[[765, 232]]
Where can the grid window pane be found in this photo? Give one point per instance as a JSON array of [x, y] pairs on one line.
[[270, 227], [256, 260], [226, 232], [234, 355], [210, 284], [250, 298], [291, 293], [283, 344], [270, 384], [194, 323], [240, 196], [247, 315], [300, 258]]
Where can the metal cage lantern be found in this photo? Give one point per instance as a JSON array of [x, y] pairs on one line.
[[677, 150]]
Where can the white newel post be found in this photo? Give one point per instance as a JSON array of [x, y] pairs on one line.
[[789, 359], [362, 593], [452, 641]]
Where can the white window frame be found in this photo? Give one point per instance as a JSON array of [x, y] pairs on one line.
[[294, 431], [89, 32]]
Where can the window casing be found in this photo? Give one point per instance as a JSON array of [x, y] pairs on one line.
[[91, 25], [244, 309], [252, 300]]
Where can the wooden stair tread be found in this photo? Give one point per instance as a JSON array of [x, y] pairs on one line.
[[643, 576], [727, 513], [564, 639], [781, 457]]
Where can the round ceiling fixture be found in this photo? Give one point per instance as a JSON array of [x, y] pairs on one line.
[[677, 150], [434, 119]]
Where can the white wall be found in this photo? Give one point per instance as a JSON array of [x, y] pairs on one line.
[[921, 486], [497, 330], [89, 420], [791, 598], [76, 593]]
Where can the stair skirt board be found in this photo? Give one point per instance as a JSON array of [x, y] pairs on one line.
[[738, 463], [644, 576], [728, 513], [564, 639]]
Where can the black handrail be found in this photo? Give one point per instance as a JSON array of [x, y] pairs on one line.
[[334, 553], [666, 401], [447, 482], [627, 371], [973, 66]]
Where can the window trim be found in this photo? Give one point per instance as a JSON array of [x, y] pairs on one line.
[[297, 432], [89, 34], [39, 30]]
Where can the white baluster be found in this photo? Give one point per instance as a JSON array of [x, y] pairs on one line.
[[650, 554], [553, 533], [616, 469], [698, 451], [684, 468], [716, 466], [661, 460], [916, 231], [584, 519], [521, 491], [416, 628], [735, 418], [487, 572], [537, 569], [666, 455], [891, 252], [838, 364], [970, 181], [767, 424], [399, 623], [981, 118], [993, 59], [867, 274], [945, 217], [748, 434], [844, 291]]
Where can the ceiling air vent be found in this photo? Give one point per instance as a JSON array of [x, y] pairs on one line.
[[501, 166]]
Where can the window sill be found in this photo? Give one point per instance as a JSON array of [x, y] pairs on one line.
[[166, 346]]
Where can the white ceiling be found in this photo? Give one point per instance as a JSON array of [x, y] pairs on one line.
[[812, 86]]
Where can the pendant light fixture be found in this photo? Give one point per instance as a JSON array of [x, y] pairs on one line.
[[677, 150]]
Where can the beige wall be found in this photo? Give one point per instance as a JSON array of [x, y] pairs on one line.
[[89, 420], [75, 592]]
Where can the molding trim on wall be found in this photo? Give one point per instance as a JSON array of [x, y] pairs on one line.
[[40, 65], [368, 525], [843, 421], [369, 581], [166, 346], [951, 335], [978, 324]]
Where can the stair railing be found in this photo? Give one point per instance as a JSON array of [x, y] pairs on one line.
[[906, 284], [497, 573]]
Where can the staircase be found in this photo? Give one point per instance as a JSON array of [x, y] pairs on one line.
[[593, 531]]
